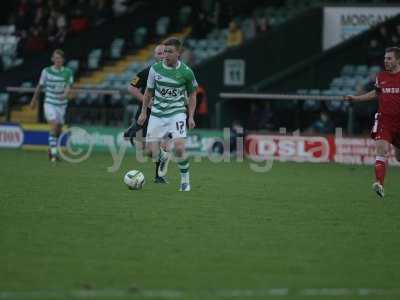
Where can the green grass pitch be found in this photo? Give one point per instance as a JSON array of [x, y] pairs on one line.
[[74, 231]]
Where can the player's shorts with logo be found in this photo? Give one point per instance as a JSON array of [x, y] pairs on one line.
[[158, 127], [55, 113], [387, 127]]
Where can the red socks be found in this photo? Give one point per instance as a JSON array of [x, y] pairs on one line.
[[380, 168]]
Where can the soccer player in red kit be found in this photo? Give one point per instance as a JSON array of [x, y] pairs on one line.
[[386, 129]]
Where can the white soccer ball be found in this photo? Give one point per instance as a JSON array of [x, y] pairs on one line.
[[134, 179]]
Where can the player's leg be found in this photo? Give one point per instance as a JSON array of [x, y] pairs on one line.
[[165, 155], [51, 115], [183, 163], [381, 165], [156, 129], [177, 128]]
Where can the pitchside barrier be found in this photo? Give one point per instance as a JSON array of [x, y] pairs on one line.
[[96, 105], [282, 147], [334, 102]]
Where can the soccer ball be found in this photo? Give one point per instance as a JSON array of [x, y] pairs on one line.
[[134, 179]]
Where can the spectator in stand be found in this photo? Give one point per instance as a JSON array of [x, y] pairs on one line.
[[35, 42], [262, 24], [23, 7], [253, 118], [40, 17], [235, 35], [249, 27], [55, 36], [79, 20], [323, 125], [266, 118], [236, 133]]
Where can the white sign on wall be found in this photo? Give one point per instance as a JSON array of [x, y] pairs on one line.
[[341, 23], [11, 136], [234, 72]]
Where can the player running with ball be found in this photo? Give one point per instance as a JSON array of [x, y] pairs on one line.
[[386, 129], [172, 84]]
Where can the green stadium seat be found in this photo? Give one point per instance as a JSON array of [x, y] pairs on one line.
[[347, 70], [73, 65], [361, 70], [374, 69]]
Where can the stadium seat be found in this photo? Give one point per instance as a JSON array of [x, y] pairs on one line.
[[347, 70], [94, 58], [4, 98], [140, 36], [349, 82], [116, 48], [337, 82], [184, 14], [361, 70], [73, 65], [374, 69], [162, 25], [312, 105]]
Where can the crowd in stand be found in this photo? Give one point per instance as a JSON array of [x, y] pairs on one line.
[[221, 15], [43, 24]]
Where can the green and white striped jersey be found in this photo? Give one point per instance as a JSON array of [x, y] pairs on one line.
[[171, 88], [54, 82]]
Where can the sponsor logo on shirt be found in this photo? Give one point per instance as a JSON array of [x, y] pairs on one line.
[[391, 90]]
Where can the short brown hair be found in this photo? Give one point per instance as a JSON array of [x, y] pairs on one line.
[[59, 52], [173, 41], [395, 50]]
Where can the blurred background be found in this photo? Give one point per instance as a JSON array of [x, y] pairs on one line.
[[261, 46]]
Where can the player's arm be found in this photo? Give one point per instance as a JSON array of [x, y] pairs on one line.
[[191, 109], [133, 87], [38, 89], [68, 87], [135, 92], [67, 90], [148, 95], [35, 97], [364, 97]]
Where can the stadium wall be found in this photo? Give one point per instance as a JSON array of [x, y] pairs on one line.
[[267, 54], [317, 72]]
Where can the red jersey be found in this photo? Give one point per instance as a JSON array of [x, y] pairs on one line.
[[387, 87]]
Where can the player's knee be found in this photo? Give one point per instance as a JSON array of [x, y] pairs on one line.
[[179, 151], [382, 148]]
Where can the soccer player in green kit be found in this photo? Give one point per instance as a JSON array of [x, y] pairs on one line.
[[56, 81], [173, 85]]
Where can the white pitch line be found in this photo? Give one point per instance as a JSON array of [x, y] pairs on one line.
[[179, 294]]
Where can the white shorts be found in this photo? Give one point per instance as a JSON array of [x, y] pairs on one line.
[[55, 113], [158, 128]]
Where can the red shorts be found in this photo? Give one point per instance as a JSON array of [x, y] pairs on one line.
[[386, 128]]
